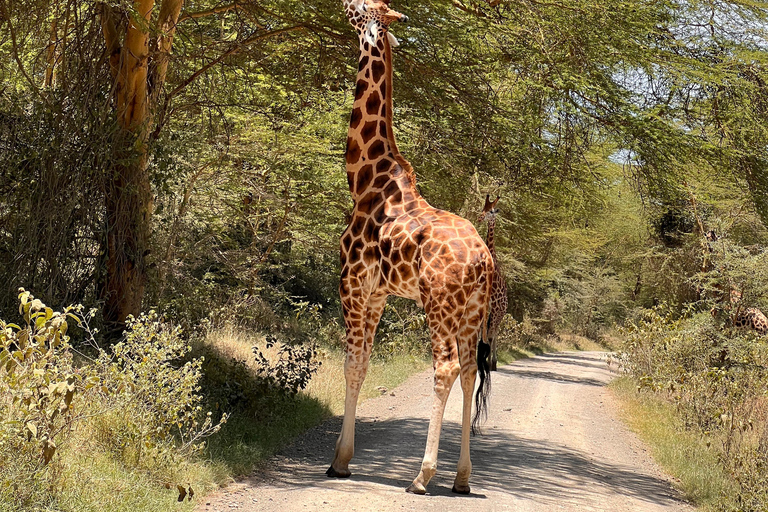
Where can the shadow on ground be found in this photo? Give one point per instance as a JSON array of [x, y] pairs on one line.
[[389, 452]]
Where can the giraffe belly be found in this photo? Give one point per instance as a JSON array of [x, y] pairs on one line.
[[401, 281]]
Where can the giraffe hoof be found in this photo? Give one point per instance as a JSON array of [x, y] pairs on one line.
[[460, 489], [345, 473], [415, 488]]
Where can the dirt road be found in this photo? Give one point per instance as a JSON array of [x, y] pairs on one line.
[[552, 442]]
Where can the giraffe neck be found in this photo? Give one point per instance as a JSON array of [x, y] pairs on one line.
[[373, 161], [490, 238]]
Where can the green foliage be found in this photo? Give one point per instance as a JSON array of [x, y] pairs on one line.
[[154, 397], [293, 369], [717, 380], [139, 403], [38, 379]]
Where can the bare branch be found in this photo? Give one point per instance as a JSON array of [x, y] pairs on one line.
[[209, 12]]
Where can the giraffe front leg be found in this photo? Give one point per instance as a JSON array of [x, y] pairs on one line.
[[361, 329], [494, 359], [445, 375]]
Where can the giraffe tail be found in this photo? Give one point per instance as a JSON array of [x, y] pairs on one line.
[[483, 365]]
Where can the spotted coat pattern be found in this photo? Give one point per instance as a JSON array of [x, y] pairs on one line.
[[499, 300], [397, 244], [752, 318]]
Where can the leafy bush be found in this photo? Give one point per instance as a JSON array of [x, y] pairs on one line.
[[718, 378], [139, 402], [293, 369], [155, 409]]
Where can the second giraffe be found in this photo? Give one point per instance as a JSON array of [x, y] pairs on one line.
[[498, 304]]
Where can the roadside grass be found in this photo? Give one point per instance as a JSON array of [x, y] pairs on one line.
[[252, 435], [684, 455], [93, 472]]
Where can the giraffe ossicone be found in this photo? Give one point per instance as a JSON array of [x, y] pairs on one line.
[[397, 244]]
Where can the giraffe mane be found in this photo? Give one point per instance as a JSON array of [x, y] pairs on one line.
[[405, 164]]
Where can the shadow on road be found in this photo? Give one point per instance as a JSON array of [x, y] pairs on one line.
[[389, 453]]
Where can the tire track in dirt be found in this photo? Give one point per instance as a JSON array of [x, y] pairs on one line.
[[552, 442]]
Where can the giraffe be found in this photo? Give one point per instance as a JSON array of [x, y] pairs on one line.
[[397, 244], [747, 318], [499, 299], [738, 316]]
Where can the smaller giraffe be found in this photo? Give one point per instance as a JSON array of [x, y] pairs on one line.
[[748, 318], [752, 318], [498, 304]]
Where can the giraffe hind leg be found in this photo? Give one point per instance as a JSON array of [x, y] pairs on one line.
[[467, 342]]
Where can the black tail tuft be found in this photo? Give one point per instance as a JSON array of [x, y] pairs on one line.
[[484, 390]]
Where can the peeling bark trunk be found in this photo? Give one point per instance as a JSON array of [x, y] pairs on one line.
[[139, 71]]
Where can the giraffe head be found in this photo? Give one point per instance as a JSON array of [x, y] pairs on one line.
[[371, 19], [489, 210]]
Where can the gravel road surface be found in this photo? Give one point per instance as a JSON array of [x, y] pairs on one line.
[[552, 442]]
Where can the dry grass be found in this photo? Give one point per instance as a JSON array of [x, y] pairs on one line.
[[681, 453], [327, 385]]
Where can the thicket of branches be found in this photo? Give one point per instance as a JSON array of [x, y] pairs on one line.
[[233, 192]]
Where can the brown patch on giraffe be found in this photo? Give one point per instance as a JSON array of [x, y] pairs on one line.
[[346, 241], [368, 131], [362, 64], [376, 150], [375, 52], [377, 69], [364, 176], [381, 180], [386, 246], [383, 89], [380, 214], [360, 89], [384, 164], [372, 103], [366, 203], [370, 230], [353, 151], [357, 247], [385, 268], [370, 255], [355, 118], [357, 224], [408, 250]]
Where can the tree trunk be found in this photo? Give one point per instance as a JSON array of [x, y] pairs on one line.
[[128, 201]]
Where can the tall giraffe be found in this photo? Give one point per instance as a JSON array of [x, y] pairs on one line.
[[397, 244], [499, 299]]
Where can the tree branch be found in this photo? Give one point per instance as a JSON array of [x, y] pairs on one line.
[[166, 24], [209, 12], [232, 51], [111, 38]]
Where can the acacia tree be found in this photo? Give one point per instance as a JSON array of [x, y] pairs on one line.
[[139, 48]]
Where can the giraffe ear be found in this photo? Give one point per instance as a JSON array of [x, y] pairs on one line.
[[393, 42]]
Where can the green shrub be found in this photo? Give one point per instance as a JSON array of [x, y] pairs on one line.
[[139, 403], [718, 379], [153, 394], [293, 369]]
